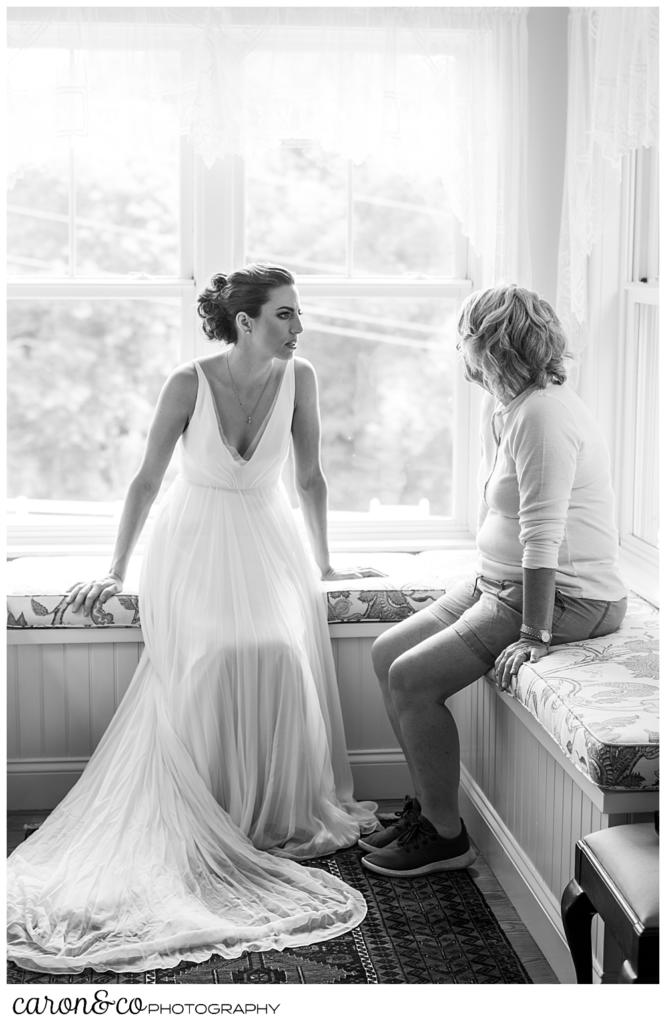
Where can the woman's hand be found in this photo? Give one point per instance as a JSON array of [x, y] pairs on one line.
[[96, 591], [513, 657], [355, 573]]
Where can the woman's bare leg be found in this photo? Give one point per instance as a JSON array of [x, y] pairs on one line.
[[386, 649], [420, 681]]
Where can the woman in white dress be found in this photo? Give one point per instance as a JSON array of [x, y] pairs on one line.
[[226, 761]]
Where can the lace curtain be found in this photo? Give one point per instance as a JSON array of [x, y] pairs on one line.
[[612, 109], [350, 79]]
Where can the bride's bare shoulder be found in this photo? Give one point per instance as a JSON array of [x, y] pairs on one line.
[[304, 371], [180, 388], [182, 376]]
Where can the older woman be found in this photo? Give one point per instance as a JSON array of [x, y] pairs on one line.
[[547, 567]]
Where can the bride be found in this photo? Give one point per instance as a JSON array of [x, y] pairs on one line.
[[225, 763]]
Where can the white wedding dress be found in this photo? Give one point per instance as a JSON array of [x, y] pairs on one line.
[[228, 743]]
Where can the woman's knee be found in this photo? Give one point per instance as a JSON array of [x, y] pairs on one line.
[[418, 678], [405, 682], [383, 655], [401, 639]]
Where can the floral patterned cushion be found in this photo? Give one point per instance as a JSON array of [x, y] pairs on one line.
[[36, 588], [598, 699], [412, 582]]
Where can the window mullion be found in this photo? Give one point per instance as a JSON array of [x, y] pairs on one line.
[[350, 219], [188, 336], [72, 257], [100, 289], [186, 211], [462, 253], [238, 226]]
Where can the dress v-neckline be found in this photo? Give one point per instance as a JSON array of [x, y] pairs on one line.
[[256, 440]]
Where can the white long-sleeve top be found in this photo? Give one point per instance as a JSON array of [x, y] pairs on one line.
[[546, 494]]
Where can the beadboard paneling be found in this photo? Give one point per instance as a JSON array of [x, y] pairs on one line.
[[61, 697], [55, 708], [13, 711], [76, 694], [366, 724]]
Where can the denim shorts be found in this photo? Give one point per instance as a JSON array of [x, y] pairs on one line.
[[487, 615]]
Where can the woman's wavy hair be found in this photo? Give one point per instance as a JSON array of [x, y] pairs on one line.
[[516, 338], [243, 291]]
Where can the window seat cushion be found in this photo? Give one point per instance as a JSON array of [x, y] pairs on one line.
[[36, 588], [598, 699]]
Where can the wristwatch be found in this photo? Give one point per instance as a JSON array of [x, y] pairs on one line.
[[539, 636]]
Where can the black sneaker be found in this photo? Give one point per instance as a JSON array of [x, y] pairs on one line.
[[420, 850], [382, 837]]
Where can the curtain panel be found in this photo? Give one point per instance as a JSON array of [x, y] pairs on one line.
[[350, 79], [612, 109]]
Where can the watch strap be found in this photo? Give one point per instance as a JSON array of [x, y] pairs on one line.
[[539, 636]]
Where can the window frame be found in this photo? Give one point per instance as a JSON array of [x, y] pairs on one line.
[[212, 237], [639, 289]]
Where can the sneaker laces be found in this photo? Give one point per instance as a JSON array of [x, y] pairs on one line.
[[410, 807], [419, 828]]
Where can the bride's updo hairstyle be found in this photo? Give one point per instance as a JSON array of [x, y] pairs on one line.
[[244, 291], [515, 337]]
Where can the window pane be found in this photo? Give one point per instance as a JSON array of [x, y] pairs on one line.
[[127, 167], [83, 378], [401, 226], [386, 372], [94, 166], [37, 169], [296, 210]]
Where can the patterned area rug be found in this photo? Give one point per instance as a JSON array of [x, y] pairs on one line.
[[432, 930]]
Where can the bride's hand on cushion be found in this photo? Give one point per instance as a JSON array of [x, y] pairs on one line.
[[353, 573], [94, 592]]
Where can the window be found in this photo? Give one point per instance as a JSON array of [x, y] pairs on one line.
[[100, 279], [94, 186], [114, 225]]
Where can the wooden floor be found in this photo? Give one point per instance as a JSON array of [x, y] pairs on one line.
[[529, 953]]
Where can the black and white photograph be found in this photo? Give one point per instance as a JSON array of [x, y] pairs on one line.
[[332, 510]]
